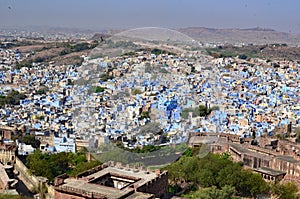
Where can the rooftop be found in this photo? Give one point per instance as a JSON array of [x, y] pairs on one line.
[[269, 171], [83, 186], [287, 158], [242, 148], [110, 182]]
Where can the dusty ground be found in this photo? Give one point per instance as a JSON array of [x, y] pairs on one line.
[[51, 52]]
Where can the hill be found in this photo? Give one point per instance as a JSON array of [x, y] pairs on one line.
[[235, 36]]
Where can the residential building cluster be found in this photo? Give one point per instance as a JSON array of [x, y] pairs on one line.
[[260, 97], [148, 89]]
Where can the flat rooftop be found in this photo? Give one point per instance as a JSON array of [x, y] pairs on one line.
[[243, 149], [287, 158], [84, 186], [269, 171], [88, 183]]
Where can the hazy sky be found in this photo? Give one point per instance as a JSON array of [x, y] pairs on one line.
[[282, 15]]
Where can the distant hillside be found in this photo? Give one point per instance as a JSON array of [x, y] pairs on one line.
[[234, 36], [229, 36]]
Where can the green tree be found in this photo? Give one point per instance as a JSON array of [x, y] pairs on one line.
[[198, 111], [14, 97], [50, 166], [203, 111], [30, 139], [105, 77], [144, 115], [251, 184], [42, 91], [39, 165], [96, 89], [136, 91], [216, 170], [3, 100], [213, 193], [285, 191], [188, 152], [229, 175], [84, 166]]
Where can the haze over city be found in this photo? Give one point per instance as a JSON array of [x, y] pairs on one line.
[[98, 15]]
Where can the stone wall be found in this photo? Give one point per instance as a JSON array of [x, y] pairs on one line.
[[60, 195], [30, 181], [70, 192], [158, 186]]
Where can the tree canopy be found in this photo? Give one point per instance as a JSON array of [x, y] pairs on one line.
[[96, 89], [216, 171], [226, 192], [216, 176], [12, 98], [30, 139], [201, 110], [52, 165], [285, 191]]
